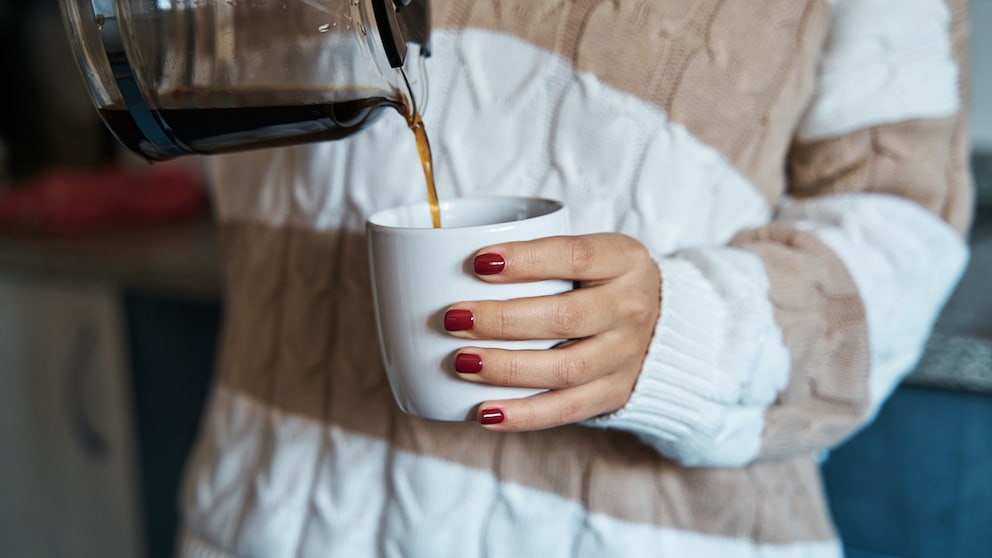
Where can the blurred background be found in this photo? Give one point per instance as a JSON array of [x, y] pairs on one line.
[[110, 307]]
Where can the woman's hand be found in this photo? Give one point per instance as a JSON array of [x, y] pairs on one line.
[[609, 321]]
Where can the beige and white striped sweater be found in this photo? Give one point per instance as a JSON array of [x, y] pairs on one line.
[[798, 169]]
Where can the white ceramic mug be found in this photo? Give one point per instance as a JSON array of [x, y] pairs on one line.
[[419, 271]]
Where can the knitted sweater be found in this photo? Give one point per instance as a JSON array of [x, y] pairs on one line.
[[796, 167]]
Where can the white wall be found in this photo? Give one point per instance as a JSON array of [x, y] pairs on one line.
[[981, 104]]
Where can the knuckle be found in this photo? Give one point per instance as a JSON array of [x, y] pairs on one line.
[[637, 309], [505, 320], [514, 372], [569, 372], [637, 250], [568, 411], [525, 259], [629, 350], [631, 248], [530, 418], [581, 253], [567, 318]]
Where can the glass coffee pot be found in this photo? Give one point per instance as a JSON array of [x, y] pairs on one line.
[[177, 77]]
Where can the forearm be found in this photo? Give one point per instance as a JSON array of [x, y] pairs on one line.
[[790, 338]]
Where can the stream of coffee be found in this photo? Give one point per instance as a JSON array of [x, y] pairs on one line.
[[427, 162], [416, 123]]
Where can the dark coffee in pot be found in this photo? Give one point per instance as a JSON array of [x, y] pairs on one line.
[[217, 121]]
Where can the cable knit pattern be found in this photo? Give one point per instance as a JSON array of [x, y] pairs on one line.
[[876, 73], [884, 241], [727, 138]]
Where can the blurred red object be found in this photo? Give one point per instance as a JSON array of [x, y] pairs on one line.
[[78, 201]]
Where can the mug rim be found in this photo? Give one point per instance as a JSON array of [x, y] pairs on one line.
[[374, 221]]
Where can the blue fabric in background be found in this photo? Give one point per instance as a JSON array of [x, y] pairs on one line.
[[918, 481]]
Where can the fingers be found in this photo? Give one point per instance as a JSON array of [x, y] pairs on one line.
[[582, 382], [618, 277], [628, 304], [593, 257], [569, 315], [608, 321], [556, 408], [563, 367]]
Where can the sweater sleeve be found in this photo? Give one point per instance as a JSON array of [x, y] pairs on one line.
[[790, 338]]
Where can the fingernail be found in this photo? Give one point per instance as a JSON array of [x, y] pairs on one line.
[[489, 264], [491, 416], [458, 320], [468, 363]]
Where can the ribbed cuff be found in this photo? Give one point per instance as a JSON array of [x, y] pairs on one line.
[[679, 404]]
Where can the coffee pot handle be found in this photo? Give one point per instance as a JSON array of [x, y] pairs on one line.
[[400, 22]]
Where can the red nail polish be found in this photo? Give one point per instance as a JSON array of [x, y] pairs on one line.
[[491, 416], [458, 320], [489, 264], [468, 363]]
